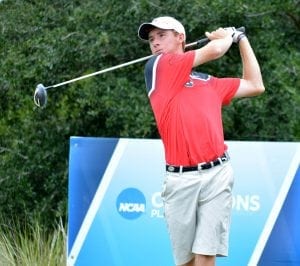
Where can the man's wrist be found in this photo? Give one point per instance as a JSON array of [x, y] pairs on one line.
[[240, 37]]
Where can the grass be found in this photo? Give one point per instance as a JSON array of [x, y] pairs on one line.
[[30, 245]]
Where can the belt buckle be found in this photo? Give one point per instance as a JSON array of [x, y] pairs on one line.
[[171, 168]]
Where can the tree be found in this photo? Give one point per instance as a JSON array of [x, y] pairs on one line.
[[53, 41]]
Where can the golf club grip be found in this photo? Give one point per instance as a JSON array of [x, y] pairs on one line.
[[206, 40]]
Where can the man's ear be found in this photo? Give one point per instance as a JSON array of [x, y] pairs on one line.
[[181, 36], [181, 39]]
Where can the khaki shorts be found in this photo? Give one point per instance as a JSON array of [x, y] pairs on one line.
[[197, 208]]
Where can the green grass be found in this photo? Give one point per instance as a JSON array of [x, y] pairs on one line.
[[30, 245]]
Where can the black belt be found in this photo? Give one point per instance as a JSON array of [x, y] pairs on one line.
[[199, 167]]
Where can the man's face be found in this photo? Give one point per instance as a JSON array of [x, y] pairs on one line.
[[165, 41]]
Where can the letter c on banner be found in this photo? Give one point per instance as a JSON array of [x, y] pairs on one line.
[[157, 200]]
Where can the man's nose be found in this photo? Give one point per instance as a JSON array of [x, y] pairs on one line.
[[155, 44]]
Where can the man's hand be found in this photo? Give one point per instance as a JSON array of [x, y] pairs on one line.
[[220, 33], [221, 40], [236, 34]]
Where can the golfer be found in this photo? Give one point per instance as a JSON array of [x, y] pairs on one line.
[[187, 105]]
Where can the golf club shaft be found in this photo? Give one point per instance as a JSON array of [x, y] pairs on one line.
[[101, 71], [202, 41]]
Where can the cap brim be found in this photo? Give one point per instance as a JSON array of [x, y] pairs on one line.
[[144, 30]]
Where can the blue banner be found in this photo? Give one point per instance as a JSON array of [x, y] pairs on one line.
[[116, 213]]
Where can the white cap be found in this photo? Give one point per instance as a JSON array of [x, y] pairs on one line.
[[165, 23]]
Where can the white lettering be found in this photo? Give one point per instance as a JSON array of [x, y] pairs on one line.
[[131, 207], [255, 204], [157, 213], [156, 200], [246, 203]]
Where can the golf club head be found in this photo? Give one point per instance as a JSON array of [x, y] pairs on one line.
[[40, 96]]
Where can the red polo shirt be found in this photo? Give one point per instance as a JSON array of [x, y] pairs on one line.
[[187, 107]]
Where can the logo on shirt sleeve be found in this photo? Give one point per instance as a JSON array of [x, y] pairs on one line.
[[196, 75]]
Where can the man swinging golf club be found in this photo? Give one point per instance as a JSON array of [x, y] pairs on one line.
[[197, 191]]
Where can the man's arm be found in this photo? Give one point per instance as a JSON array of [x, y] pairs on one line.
[[251, 82], [221, 41]]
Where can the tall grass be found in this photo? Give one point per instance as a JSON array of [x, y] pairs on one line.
[[30, 245]]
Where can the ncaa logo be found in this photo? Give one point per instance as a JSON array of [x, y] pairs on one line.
[[131, 203]]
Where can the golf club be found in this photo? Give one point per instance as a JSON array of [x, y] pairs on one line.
[[40, 93]]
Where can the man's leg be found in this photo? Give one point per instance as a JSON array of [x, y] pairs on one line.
[[202, 260], [190, 263]]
